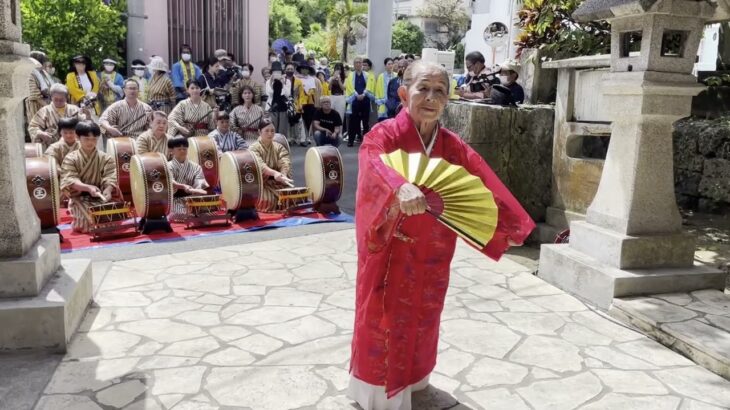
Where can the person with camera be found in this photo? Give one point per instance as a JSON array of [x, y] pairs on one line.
[[278, 91], [508, 75], [476, 86], [210, 81]]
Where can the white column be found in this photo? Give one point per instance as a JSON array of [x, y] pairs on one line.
[[380, 32]]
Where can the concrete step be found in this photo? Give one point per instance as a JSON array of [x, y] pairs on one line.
[[696, 324], [48, 321]]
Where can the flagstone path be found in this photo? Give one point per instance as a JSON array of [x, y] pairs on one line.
[[267, 326]]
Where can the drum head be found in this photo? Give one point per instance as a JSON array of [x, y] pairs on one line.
[[203, 151], [238, 183], [139, 185], [315, 174]]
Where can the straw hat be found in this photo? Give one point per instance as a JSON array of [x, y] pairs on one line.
[[510, 65], [158, 64]]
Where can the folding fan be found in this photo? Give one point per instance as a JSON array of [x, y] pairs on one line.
[[456, 198]]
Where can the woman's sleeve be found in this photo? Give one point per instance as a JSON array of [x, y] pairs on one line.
[[284, 161], [513, 222], [378, 211]]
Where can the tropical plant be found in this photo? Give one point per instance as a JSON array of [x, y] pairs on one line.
[[549, 25], [407, 37], [345, 18], [322, 42], [452, 19], [63, 29], [284, 21]]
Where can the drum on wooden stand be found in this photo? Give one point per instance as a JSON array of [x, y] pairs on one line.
[[241, 183], [33, 150], [42, 181], [152, 190], [122, 149], [205, 210], [203, 152], [324, 176], [112, 219]]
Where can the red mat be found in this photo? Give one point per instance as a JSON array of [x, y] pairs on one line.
[[73, 241]]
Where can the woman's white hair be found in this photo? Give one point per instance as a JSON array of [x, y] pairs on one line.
[[58, 89], [419, 66]]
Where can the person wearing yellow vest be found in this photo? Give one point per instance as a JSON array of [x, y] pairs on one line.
[[359, 91], [381, 88], [184, 71]]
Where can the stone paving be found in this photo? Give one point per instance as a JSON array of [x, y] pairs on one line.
[[267, 326], [696, 324]]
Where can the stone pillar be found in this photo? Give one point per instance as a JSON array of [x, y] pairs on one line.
[[380, 32], [41, 303], [631, 242]]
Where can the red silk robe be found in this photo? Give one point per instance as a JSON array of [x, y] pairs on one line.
[[403, 262]]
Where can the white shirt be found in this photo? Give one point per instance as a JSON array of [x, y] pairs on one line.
[[85, 82]]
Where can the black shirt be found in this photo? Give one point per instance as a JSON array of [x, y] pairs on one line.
[[328, 121]]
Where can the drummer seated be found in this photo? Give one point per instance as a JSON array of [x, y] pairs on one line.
[[327, 124], [155, 138], [187, 177], [88, 176], [275, 164], [226, 139], [69, 141]]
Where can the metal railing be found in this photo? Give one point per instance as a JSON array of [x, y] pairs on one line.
[[208, 25]]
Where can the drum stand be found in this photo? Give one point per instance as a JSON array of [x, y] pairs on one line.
[[53, 230], [147, 225], [327, 208], [244, 215]]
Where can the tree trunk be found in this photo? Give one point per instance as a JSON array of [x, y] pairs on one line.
[[345, 41]]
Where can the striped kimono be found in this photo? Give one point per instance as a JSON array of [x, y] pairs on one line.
[[147, 142], [38, 83], [46, 119], [160, 93], [276, 157], [59, 149], [195, 117], [98, 169], [229, 141], [245, 121], [258, 91], [130, 121], [187, 173]]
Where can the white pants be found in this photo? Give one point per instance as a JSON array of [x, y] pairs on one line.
[[371, 397]]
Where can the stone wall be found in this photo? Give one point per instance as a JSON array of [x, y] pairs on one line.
[[702, 164], [516, 142]]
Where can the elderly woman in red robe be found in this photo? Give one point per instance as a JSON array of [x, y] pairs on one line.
[[404, 254]]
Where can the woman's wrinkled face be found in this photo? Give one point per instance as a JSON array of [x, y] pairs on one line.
[[267, 133], [427, 96], [159, 125]]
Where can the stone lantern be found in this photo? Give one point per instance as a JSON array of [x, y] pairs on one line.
[[42, 300], [631, 242]]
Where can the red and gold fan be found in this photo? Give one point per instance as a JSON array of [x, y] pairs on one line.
[[456, 198]]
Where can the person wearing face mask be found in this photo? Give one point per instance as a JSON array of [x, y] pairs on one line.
[[508, 75], [272, 59], [296, 129], [83, 83], [139, 73], [184, 71], [278, 92], [111, 84], [476, 86], [160, 91], [246, 80]]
